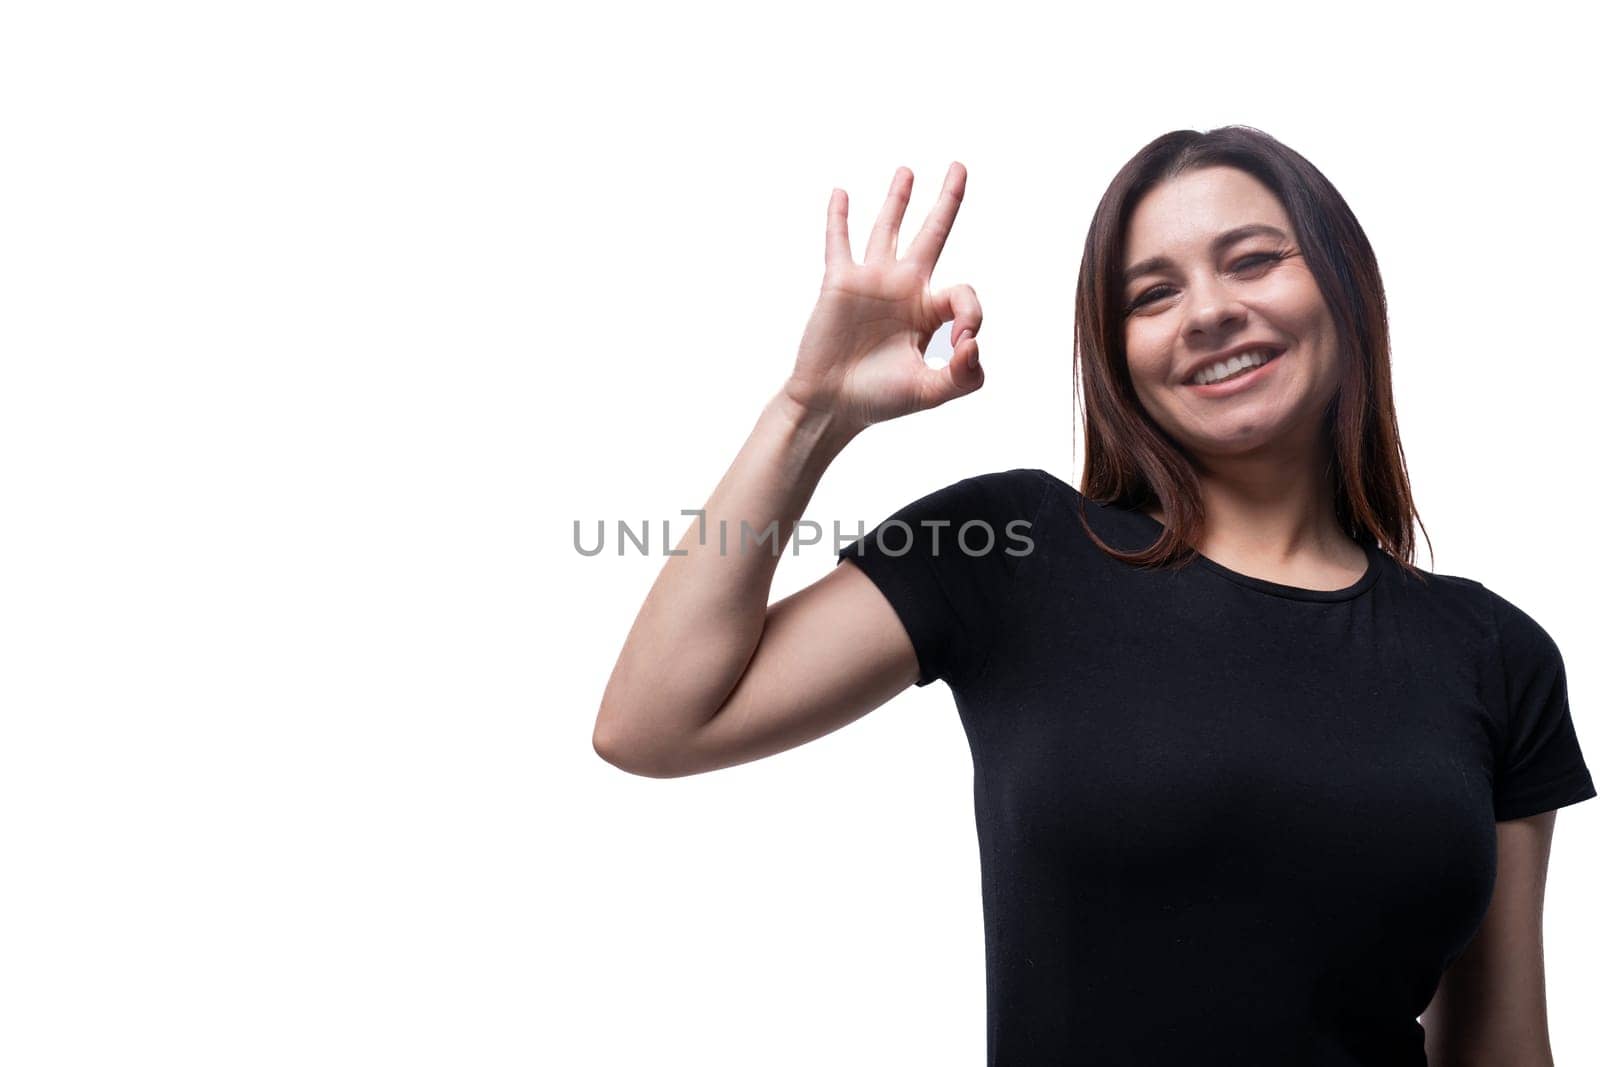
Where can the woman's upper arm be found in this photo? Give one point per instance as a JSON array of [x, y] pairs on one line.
[[828, 654], [918, 598], [1490, 1005]]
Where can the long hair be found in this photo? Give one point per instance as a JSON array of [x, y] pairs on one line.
[[1131, 461]]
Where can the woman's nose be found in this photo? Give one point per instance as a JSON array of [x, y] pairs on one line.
[[1212, 308]]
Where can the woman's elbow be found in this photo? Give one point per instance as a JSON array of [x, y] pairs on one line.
[[645, 761]]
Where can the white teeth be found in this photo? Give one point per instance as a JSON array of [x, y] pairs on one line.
[[1228, 367]]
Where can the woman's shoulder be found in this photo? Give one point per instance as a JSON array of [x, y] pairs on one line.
[[1510, 624], [1018, 492], [1036, 485], [1026, 480], [1504, 625], [1456, 592], [1006, 502]]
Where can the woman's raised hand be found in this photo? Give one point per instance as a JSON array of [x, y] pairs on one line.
[[860, 359]]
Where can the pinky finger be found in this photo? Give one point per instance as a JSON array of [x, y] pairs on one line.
[[837, 252]]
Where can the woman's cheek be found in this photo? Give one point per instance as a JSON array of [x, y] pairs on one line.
[[1141, 353]]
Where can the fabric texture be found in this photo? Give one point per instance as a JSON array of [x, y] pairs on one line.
[[1221, 820]]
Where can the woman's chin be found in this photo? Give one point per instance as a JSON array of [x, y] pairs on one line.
[[1240, 436]]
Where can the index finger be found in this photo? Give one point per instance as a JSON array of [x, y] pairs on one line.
[[931, 238]]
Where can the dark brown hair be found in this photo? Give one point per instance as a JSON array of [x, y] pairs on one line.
[[1131, 461]]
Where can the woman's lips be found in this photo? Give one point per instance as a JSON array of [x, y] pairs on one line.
[[1239, 382]]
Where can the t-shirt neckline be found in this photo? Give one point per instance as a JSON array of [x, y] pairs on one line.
[[1288, 592]]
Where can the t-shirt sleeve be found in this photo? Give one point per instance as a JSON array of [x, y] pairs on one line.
[[1540, 765], [948, 563]]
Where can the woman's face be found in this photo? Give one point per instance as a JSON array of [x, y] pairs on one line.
[[1198, 288]]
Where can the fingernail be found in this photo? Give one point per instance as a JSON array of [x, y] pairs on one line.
[[972, 360], [964, 335]]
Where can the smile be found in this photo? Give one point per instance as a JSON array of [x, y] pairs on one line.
[[1218, 377]]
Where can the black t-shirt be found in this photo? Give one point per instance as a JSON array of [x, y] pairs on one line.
[[1220, 820]]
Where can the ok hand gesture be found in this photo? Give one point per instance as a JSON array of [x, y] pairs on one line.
[[860, 359]]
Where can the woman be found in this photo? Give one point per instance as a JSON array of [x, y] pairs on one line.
[[1250, 787]]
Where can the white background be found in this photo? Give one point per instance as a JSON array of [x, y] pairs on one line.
[[322, 323]]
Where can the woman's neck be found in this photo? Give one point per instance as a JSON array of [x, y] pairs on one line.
[[1274, 521]]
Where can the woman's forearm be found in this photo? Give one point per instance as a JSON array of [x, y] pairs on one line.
[[704, 615]]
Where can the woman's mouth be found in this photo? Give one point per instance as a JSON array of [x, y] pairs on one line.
[[1229, 376]]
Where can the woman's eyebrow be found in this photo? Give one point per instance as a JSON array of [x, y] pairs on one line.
[[1221, 241]]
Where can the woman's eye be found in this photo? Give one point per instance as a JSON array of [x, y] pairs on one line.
[[1148, 295], [1250, 262], [1258, 258]]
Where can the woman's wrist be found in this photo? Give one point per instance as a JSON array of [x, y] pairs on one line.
[[816, 426]]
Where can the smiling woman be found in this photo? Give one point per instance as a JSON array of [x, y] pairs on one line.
[[1235, 317], [1207, 249], [1266, 809]]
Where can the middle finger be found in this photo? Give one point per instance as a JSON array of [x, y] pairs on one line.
[[881, 245]]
